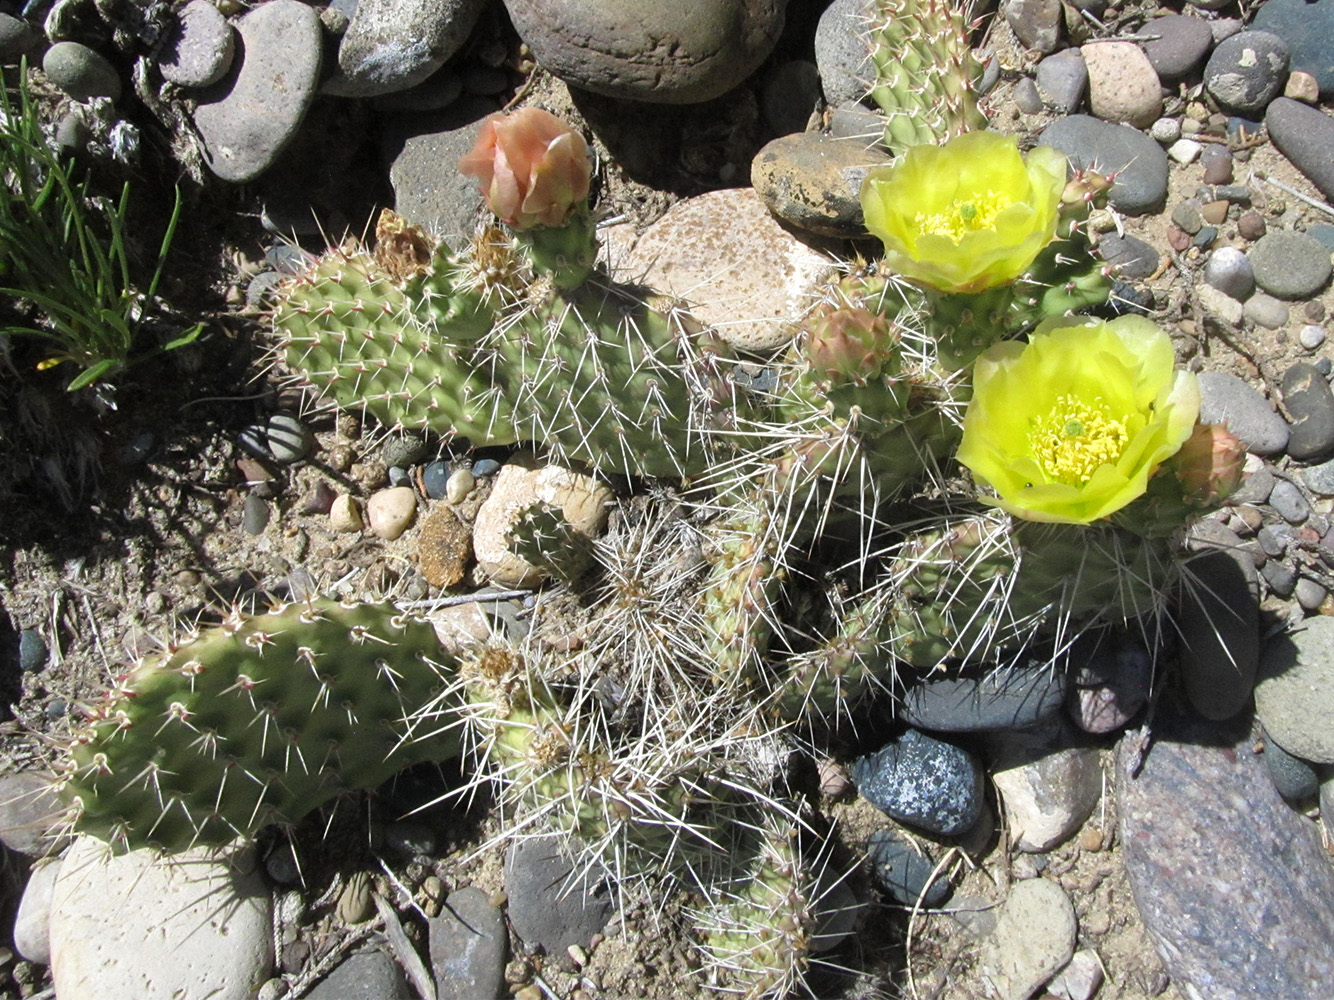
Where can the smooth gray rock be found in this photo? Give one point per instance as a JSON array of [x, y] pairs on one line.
[[28, 807], [670, 52], [1233, 885], [1063, 80], [391, 45], [551, 903], [814, 182], [428, 189], [1305, 135], [1230, 272], [1286, 498], [1295, 695], [842, 53], [1293, 778], [1289, 264], [923, 782], [1266, 311], [1226, 399], [199, 49], [1310, 405], [17, 39], [1247, 71], [1181, 46], [904, 872], [1308, 28], [467, 944], [1010, 698], [81, 72], [1139, 163], [252, 114], [1036, 23], [1130, 255], [365, 975], [1026, 96], [1219, 630]]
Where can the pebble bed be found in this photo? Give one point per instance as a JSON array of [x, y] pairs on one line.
[[1198, 113]]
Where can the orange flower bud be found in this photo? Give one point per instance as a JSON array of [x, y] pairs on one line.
[[533, 168], [1209, 464]]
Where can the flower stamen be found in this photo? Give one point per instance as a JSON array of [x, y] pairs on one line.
[[1075, 438], [962, 217]]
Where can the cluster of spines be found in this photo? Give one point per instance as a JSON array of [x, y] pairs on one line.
[[256, 721], [927, 76]]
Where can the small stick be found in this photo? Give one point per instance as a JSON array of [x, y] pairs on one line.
[[448, 602], [1313, 202]]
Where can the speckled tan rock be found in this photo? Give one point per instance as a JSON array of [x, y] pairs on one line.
[[749, 279], [1123, 85], [522, 481], [443, 546]]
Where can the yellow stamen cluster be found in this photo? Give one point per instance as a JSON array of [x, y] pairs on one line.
[[963, 217], [1075, 438]]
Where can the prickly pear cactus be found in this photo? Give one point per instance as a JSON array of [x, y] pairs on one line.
[[256, 721]]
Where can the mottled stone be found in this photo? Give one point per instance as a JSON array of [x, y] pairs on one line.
[[1036, 23], [468, 943], [751, 279], [814, 182], [1123, 86], [1247, 71], [842, 53], [391, 45], [1233, 885], [923, 782], [200, 47], [1047, 792], [443, 547], [1310, 405]]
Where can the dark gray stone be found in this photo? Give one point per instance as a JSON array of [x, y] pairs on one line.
[[366, 975], [923, 782], [17, 39], [1036, 23], [904, 872], [467, 943], [1310, 594], [435, 479], [1308, 28], [1226, 399], [1247, 71], [1289, 264], [813, 182], [1219, 630], [551, 903], [250, 116], [1010, 698], [1286, 498], [1181, 46], [1139, 163], [670, 52], [254, 515], [1282, 581], [1233, 885], [1294, 778], [403, 449], [32, 651], [1063, 80], [1310, 405], [842, 53], [391, 45], [423, 169], [1305, 135], [1026, 96], [199, 48], [81, 72], [1130, 255], [790, 95]]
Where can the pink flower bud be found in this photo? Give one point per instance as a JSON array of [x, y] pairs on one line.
[[1209, 464], [533, 169]]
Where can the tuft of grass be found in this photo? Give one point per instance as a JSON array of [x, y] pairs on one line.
[[63, 252]]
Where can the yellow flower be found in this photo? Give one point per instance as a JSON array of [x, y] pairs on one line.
[[1070, 426], [966, 216]]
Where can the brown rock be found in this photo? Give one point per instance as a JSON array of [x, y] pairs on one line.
[[1123, 86], [443, 547]]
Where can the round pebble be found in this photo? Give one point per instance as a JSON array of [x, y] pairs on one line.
[[1310, 594], [461, 483], [1311, 336], [905, 872], [198, 51], [1230, 272], [1062, 80], [1123, 86], [435, 477], [1289, 264], [1166, 130], [1139, 163], [1131, 256], [485, 467], [1266, 311], [390, 512], [287, 438], [1180, 47], [1251, 225], [1286, 498], [255, 515], [32, 651], [1294, 778], [1247, 71], [81, 72], [814, 182], [1026, 96], [841, 52]]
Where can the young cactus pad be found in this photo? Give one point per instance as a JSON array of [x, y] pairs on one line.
[[257, 721]]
